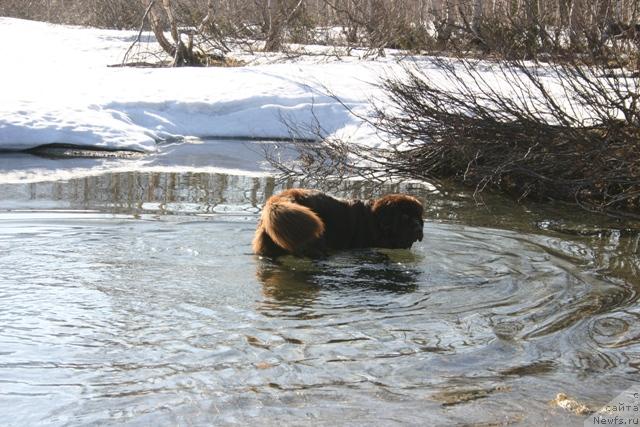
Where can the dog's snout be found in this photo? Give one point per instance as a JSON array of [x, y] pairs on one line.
[[418, 230]]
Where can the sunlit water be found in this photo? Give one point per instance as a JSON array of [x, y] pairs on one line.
[[133, 298]]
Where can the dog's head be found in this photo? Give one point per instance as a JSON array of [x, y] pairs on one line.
[[398, 220]]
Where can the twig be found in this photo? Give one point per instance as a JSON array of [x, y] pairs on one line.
[[144, 19]]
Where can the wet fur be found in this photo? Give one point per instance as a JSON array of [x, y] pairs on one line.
[[309, 223]]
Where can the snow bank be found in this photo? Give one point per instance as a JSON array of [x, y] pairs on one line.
[[56, 87], [246, 158]]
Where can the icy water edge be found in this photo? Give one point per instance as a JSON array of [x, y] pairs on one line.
[[133, 298]]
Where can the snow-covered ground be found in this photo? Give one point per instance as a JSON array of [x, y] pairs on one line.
[[56, 86]]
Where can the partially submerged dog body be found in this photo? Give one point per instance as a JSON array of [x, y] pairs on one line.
[[308, 223]]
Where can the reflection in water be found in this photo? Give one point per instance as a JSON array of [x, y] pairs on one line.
[[293, 286], [166, 193], [615, 243], [293, 282], [133, 298]]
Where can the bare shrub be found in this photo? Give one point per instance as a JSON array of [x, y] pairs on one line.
[[563, 132], [120, 14], [516, 29]]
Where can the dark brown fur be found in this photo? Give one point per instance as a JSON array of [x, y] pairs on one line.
[[308, 222]]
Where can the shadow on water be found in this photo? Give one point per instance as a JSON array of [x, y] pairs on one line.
[[133, 297]]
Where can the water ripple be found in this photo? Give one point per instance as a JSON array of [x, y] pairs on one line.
[[109, 320]]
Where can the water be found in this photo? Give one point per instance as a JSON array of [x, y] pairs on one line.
[[133, 298]]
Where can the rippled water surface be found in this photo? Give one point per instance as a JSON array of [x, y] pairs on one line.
[[133, 298]]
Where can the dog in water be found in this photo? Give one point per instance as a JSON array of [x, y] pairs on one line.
[[309, 223]]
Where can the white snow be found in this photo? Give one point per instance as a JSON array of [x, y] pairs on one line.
[[56, 86]]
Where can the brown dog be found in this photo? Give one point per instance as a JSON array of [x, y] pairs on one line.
[[307, 222]]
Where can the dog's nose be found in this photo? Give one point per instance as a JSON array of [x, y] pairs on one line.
[[418, 228]]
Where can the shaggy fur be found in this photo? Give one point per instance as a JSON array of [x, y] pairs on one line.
[[308, 223]]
